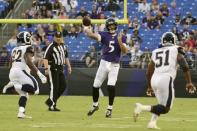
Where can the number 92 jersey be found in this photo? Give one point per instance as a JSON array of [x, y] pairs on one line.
[[18, 56], [165, 60]]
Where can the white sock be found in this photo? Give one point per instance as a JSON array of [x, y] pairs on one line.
[[146, 107], [154, 118], [10, 84], [110, 107], [21, 109], [95, 103]]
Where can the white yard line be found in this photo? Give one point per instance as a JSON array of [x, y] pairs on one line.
[[113, 126], [186, 113], [49, 123], [169, 119], [77, 125]]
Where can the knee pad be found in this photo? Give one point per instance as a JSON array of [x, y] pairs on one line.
[[29, 88], [111, 81], [97, 84], [160, 109]]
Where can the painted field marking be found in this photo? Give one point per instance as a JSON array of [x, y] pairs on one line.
[[113, 126], [47, 125]]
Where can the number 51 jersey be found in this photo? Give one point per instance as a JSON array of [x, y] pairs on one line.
[[18, 56], [165, 60]]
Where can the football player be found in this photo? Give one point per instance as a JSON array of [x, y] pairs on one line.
[[161, 74], [113, 45], [23, 82]]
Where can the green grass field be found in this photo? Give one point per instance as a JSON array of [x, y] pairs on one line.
[[183, 116]]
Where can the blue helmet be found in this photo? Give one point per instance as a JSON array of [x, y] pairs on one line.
[[111, 21]]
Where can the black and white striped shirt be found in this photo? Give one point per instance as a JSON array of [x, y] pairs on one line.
[[56, 54]]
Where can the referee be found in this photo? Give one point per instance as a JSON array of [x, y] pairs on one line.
[[55, 57]]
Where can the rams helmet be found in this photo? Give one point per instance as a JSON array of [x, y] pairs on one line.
[[109, 22], [24, 38], [168, 38]]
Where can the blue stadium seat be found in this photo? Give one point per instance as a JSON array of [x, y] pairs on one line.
[[151, 38]]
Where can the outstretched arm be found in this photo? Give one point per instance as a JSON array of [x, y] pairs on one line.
[[184, 66], [149, 73], [91, 34]]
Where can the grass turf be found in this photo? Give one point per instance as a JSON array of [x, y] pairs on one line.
[[73, 115]]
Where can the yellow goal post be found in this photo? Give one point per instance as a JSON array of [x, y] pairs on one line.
[[63, 21]]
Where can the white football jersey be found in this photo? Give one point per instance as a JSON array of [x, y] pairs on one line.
[[165, 60], [18, 54]]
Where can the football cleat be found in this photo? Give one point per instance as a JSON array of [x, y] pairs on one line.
[[22, 115], [9, 85], [137, 111], [54, 109], [92, 110], [152, 125], [108, 113]]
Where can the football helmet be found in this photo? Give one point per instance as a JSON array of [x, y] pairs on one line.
[[168, 38], [24, 38], [109, 22]]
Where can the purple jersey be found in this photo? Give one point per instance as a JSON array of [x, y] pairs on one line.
[[110, 48]]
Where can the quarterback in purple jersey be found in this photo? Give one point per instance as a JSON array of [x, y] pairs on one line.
[[113, 45]]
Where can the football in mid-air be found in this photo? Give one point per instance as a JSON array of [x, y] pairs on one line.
[[86, 21]]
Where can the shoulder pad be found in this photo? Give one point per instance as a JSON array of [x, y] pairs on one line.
[[30, 50], [181, 50]]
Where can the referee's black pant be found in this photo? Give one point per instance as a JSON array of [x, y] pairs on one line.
[[57, 84]]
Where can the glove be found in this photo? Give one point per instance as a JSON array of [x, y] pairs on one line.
[[42, 77]]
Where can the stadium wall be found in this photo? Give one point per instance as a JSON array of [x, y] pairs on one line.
[[130, 82]]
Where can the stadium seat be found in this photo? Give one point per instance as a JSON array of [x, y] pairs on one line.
[[78, 46]]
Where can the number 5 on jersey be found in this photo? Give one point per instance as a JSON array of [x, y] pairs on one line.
[[111, 46]]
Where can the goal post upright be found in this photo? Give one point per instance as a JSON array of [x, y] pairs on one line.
[[125, 10]]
